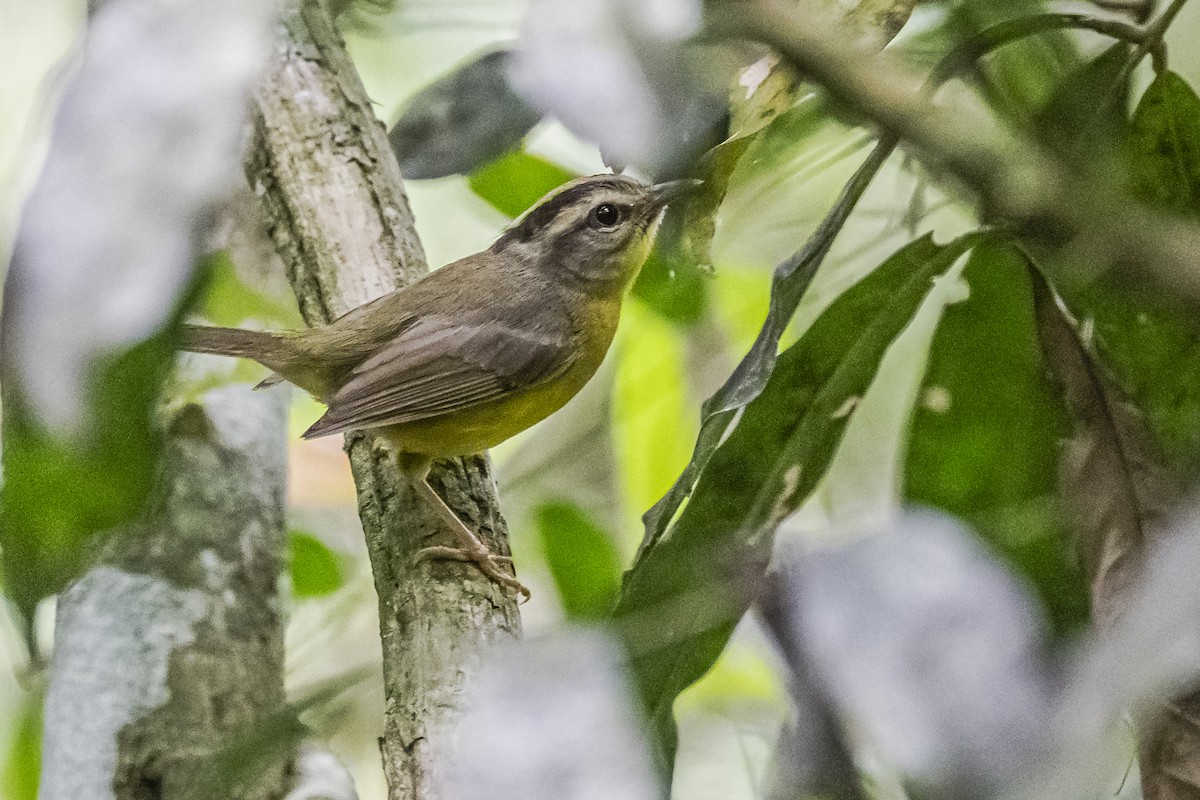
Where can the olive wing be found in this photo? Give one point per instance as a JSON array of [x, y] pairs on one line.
[[442, 364]]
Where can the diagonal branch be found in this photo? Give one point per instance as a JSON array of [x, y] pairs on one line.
[[334, 201], [1016, 178]]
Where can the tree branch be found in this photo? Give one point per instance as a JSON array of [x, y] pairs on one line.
[[172, 642], [1018, 179], [334, 202]]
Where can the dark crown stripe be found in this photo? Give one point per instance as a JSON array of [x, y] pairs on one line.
[[541, 216]]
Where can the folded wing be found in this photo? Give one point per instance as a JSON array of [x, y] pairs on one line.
[[442, 364]]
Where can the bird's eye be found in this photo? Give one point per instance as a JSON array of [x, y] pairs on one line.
[[605, 215]]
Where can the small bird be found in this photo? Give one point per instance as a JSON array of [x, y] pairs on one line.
[[479, 350]]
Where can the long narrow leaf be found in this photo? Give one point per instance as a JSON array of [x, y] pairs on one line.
[[791, 280], [680, 601]]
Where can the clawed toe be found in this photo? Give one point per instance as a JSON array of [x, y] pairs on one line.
[[488, 563]]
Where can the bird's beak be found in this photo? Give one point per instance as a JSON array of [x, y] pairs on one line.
[[666, 192]]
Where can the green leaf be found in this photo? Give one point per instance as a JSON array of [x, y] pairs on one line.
[[674, 281], [582, 559], [515, 182], [652, 426], [22, 766], [1164, 145], [1149, 339], [1086, 115], [682, 598], [985, 439], [1113, 484], [1023, 76], [58, 496], [790, 281], [229, 301], [316, 570]]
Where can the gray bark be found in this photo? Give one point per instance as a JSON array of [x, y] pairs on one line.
[[172, 642], [335, 205]]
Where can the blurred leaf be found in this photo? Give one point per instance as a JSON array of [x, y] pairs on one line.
[[229, 301], [59, 495], [1023, 76], [1086, 115], [236, 768], [789, 283], [1150, 652], [549, 718], [627, 77], [789, 174], [740, 299], [652, 426], [1119, 494], [462, 121], [104, 266], [1113, 482], [1164, 145], [679, 602], [673, 281], [923, 646], [1150, 341], [984, 443], [316, 570], [765, 89], [582, 558], [514, 182], [107, 240], [674, 287], [22, 768]]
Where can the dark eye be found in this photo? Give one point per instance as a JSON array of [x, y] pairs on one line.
[[605, 215]]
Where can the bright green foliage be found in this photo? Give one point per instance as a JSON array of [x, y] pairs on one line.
[[515, 182], [230, 301], [316, 570], [58, 495], [768, 466], [582, 559], [21, 767], [653, 426], [986, 434]]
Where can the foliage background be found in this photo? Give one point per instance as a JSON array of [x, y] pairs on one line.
[[579, 482]]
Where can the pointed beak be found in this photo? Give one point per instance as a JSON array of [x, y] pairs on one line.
[[666, 192]]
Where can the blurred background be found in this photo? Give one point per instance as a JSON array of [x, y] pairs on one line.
[[587, 474]]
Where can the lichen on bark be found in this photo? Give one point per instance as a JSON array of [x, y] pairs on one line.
[[172, 641]]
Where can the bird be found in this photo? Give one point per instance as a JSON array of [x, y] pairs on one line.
[[479, 350]]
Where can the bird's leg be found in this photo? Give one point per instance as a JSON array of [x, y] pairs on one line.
[[471, 548]]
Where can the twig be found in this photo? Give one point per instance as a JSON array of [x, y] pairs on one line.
[[1017, 178]]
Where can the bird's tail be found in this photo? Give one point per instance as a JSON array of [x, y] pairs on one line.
[[229, 341], [273, 350]]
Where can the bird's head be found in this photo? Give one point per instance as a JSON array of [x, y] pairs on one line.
[[595, 230]]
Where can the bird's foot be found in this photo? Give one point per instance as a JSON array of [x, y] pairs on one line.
[[489, 563]]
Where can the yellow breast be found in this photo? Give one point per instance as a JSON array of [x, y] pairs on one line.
[[481, 427]]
